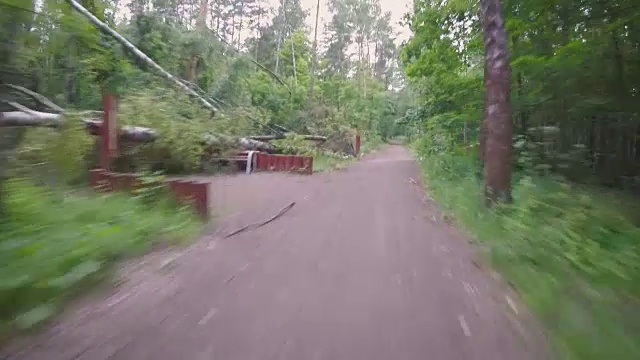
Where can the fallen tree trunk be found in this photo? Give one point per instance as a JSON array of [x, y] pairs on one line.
[[244, 143], [278, 137], [30, 118], [130, 133]]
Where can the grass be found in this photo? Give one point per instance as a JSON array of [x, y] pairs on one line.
[[570, 251], [330, 161], [327, 161], [55, 242]]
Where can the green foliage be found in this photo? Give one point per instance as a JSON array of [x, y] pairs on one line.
[[52, 242], [295, 145], [569, 249], [327, 161], [570, 252], [56, 156], [180, 128], [573, 69]]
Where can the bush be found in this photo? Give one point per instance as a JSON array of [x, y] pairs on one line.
[[56, 156], [52, 242]]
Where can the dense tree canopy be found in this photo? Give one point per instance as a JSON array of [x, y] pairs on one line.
[[238, 54], [574, 81], [251, 62]]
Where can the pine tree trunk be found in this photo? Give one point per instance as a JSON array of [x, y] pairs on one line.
[[201, 21], [293, 60], [240, 24], [314, 55], [498, 121]]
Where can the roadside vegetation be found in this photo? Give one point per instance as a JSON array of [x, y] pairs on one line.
[[569, 241], [54, 242], [571, 252]]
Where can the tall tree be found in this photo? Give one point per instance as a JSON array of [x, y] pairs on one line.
[[314, 60], [498, 122]]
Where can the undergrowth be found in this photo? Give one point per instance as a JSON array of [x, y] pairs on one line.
[[325, 161], [54, 242], [570, 251], [325, 157]]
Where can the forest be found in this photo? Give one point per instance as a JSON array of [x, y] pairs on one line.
[[564, 232]]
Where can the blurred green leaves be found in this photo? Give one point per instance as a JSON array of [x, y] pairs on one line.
[[54, 241]]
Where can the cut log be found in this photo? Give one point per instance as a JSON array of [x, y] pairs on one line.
[[262, 67], [50, 120], [278, 137], [130, 133], [31, 118], [143, 134]]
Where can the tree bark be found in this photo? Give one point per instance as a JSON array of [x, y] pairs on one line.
[[277, 137], [498, 121], [293, 58], [143, 134], [129, 133], [201, 22], [29, 119], [245, 143]]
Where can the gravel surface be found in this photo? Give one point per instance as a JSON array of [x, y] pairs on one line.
[[361, 268]]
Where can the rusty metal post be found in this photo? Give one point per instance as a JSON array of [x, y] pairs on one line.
[[109, 134], [357, 147]]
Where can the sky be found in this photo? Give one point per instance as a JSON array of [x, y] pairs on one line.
[[397, 7]]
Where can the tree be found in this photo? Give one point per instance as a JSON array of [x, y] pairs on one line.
[[498, 122], [314, 61]]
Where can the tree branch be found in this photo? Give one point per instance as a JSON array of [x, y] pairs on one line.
[[37, 97]]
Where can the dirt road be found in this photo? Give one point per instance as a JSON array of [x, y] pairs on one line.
[[361, 268]]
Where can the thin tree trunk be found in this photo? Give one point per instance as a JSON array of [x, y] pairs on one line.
[[10, 138], [314, 58], [201, 21], [240, 24], [293, 60], [498, 121], [280, 38], [256, 51]]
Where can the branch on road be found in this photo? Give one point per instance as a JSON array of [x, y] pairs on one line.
[[259, 225]]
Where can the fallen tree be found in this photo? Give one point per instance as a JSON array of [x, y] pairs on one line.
[[130, 133], [243, 143], [145, 135], [284, 136], [30, 118]]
